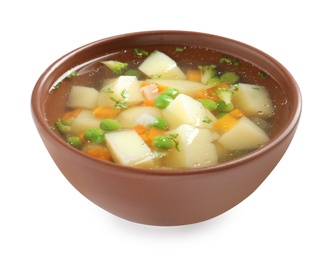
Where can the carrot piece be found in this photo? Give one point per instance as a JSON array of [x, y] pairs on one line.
[[225, 123], [105, 112], [81, 136], [193, 75], [237, 113], [153, 132], [161, 87], [72, 113], [144, 84], [221, 85], [100, 153], [148, 102], [144, 137], [207, 94], [140, 129]]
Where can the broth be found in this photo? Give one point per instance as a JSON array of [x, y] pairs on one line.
[[95, 73]]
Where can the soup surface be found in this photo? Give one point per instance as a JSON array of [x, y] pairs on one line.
[[167, 107]]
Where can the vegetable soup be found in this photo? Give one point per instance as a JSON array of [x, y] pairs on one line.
[[162, 107]]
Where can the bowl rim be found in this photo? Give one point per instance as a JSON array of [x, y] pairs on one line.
[[291, 124]]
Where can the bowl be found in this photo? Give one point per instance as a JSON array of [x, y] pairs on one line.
[[165, 197]]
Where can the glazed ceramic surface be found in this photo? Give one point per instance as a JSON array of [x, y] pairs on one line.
[[165, 197]]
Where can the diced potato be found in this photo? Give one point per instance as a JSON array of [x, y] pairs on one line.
[[253, 100], [186, 110], [128, 117], [128, 148], [243, 135], [187, 87], [84, 121], [195, 148], [160, 65], [126, 88], [83, 97]]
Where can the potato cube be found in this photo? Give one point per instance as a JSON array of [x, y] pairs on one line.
[[195, 148], [84, 121], [84, 97], [160, 65], [124, 88], [186, 110], [128, 117], [253, 100], [243, 135], [187, 87], [128, 148]]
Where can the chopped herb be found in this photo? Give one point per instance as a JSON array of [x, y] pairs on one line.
[[140, 52], [124, 94], [121, 103], [262, 74], [52, 127], [256, 88], [225, 59], [179, 49], [229, 61], [116, 67], [173, 138], [235, 62], [57, 85], [72, 74], [235, 87], [155, 76], [107, 90], [207, 120]]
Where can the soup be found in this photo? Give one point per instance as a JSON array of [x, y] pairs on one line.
[[162, 107]]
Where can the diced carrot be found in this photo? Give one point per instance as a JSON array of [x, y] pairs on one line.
[[237, 113], [225, 123], [72, 113], [140, 129], [100, 153], [193, 75], [144, 84], [144, 137], [148, 102], [81, 136], [207, 94], [153, 132], [105, 112], [221, 85], [161, 87]]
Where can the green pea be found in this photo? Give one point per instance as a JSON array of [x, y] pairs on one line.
[[110, 124], [171, 92], [162, 142], [211, 105], [95, 135], [162, 101], [75, 141], [223, 107], [161, 123], [230, 78]]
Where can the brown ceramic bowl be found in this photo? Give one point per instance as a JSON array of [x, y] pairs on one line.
[[166, 197]]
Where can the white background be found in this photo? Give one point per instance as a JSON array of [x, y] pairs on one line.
[[43, 217]]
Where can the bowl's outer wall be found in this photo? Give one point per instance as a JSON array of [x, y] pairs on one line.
[[162, 199]]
